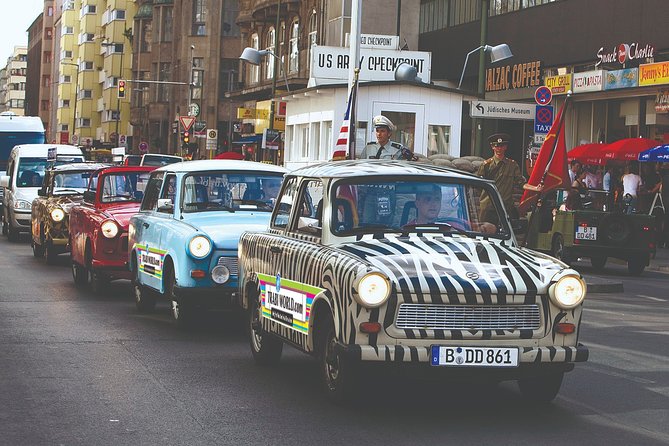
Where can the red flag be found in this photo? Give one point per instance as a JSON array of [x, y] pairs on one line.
[[551, 168]]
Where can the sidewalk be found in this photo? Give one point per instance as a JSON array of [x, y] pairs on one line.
[[613, 285]]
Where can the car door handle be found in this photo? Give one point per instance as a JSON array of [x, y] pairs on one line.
[[146, 225], [275, 250]]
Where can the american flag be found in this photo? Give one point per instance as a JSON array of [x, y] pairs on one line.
[[345, 141]]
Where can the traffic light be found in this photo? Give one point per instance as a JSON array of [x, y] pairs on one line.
[[121, 88], [185, 138]]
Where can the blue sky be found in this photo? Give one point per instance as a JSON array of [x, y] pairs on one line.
[[15, 18]]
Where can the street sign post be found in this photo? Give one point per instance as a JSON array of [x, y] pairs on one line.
[[502, 110], [543, 95], [212, 139], [543, 119], [187, 122]]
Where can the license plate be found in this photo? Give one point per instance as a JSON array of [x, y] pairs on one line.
[[586, 233], [474, 356]]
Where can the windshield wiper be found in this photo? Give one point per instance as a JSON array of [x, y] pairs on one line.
[[416, 227], [69, 191]]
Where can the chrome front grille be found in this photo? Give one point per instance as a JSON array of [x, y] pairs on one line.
[[468, 317], [230, 263]]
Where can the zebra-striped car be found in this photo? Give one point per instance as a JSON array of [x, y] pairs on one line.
[[389, 261]]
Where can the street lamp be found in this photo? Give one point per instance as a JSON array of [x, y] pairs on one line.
[[254, 56], [76, 97], [497, 53]]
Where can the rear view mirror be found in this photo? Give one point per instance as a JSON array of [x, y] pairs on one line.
[[4, 181], [165, 205]]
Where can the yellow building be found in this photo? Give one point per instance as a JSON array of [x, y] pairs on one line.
[[95, 52]]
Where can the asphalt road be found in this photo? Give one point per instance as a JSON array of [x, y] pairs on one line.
[[81, 369]]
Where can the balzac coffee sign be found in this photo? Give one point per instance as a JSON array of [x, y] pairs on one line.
[[510, 77]]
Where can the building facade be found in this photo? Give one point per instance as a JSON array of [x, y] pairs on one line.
[[185, 60], [612, 54], [13, 82], [39, 68]]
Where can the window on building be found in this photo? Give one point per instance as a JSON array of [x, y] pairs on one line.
[[198, 78], [316, 139], [269, 46], [64, 127], [49, 11], [47, 57], [65, 103], [44, 105], [86, 38], [85, 94], [66, 79], [282, 48], [199, 18], [66, 54], [84, 122], [230, 13], [438, 139], [118, 14], [48, 33], [227, 77], [294, 55], [88, 9], [67, 30], [46, 81], [165, 74], [339, 22], [85, 65], [313, 33], [145, 32], [167, 24], [254, 70]]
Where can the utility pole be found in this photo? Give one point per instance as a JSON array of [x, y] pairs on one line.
[[478, 123], [277, 61]]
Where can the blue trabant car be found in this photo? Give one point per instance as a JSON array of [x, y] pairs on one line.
[[391, 262], [183, 242]]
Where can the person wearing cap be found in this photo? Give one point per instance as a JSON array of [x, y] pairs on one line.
[[383, 147], [506, 175]]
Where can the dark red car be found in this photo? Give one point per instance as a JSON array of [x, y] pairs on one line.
[[99, 226]]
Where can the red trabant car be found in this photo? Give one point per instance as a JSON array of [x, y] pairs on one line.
[[99, 226]]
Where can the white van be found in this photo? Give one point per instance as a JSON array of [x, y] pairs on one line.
[[25, 171]]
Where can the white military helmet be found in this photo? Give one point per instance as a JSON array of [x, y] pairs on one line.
[[382, 121]]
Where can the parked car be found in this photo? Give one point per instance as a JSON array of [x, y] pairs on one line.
[[158, 159], [25, 172], [388, 261], [594, 233], [62, 189], [184, 238], [99, 225]]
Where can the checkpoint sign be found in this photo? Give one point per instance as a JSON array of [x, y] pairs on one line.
[[543, 95], [543, 119]]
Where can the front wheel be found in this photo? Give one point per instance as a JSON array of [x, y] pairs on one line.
[[635, 266], [145, 300], [183, 313], [38, 251], [338, 372], [99, 281], [598, 262], [266, 349], [542, 388], [79, 274], [50, 253]]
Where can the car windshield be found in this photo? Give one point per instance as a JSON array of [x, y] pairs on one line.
[[71, 182], [416, 205], [158, 160], [239, 191], [124, 186], [31, 172]]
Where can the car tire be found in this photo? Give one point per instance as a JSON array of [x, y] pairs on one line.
[[557, 249], [339, 373], [265, 348], [12, 234], [79, 274], [183, 313], [145, 299], [98, 281], [636, 266], [598, 262], [4, 228], [50, 255], [541, 388], [38, 251]]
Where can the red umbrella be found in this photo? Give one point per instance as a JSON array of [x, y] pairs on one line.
[[590, 153], [229, 156], [627, 149]]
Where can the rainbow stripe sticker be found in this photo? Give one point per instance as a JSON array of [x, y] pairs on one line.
[[286, 301]]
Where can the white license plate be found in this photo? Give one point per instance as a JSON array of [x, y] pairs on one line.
[[474, 356], [586, 233]]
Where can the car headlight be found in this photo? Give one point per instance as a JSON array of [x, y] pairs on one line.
[[22, 204], [372, 290], [199, 247], [109, 229], [57, 214], [220, 274], [568, 292]]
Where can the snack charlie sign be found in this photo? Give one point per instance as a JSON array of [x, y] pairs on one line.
[[330, 63]]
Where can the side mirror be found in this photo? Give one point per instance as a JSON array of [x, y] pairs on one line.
[[308, 224], [4, 181], [41, 193], [519, 225], [89, 196], [165, 205]]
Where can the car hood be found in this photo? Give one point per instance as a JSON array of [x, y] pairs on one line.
[[65, 202], [454, 264], [122, 213], [224, 228]]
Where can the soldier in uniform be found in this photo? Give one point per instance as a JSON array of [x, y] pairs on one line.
[[383, 147], [506, 175]]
